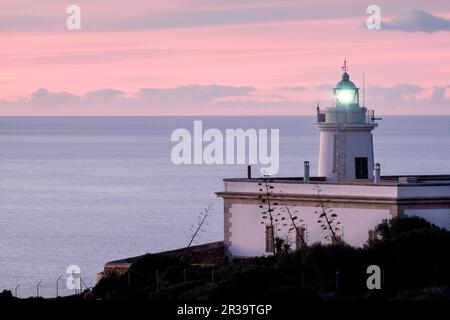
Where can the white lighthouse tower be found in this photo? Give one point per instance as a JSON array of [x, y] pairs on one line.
[[346, 143]]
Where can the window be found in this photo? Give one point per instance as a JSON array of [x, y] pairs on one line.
[[361, 168], [301, 231], [269, 239]]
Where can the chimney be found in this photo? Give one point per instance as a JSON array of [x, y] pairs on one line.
[[306, 171], [377, 173], [249, 172]]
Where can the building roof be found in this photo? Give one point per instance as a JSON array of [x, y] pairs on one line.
[[203, 254], [392, 180]]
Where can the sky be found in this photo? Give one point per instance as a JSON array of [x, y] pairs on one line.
[[221, 57]]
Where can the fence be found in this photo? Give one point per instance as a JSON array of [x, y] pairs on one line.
[[49, 288]]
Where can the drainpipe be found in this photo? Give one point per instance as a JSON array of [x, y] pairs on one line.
[[306, 171], [377, 173]]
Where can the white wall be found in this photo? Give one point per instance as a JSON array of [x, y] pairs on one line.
[[248, 234], [326, 155], [358, 143]]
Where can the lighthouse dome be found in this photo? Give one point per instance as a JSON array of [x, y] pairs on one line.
[[345, 94], [345, 83]]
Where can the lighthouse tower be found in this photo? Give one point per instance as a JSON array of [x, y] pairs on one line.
[[346, 143]]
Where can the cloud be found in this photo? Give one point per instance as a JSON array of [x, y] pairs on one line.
[[44, 97], [438, 96], [294, 88], [223, 99], [397, 91], [325, 87], [401, 98], [185, 98], [178, 97], [409, 97], [194, 92], [103, 95], [159, 14], [180, 100], [217, 17], [416, 20]]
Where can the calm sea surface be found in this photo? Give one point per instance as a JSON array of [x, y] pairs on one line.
[[86, 190]]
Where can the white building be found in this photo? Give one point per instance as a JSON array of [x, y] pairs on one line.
[[348, 190]]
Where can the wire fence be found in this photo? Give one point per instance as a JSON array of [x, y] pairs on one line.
[[337, 282], [50, 288]]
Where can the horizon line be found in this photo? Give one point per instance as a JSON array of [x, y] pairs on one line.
[[183, 115]]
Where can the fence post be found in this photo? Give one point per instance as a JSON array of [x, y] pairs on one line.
[[37, 289], [57, 286], [15, 290]]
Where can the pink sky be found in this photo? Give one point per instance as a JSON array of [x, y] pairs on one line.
[[214, 57]]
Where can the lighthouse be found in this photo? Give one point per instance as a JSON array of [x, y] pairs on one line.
[[346, 142], [344, 184]]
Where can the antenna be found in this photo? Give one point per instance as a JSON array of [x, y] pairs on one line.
[[345, 68], [364, 90]]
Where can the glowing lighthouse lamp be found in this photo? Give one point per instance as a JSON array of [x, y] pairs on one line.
[[346, 94]]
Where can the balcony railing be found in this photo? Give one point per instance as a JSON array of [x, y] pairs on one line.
[[321, 116], [369, 116]]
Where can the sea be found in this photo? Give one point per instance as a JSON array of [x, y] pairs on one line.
[[86, 190]]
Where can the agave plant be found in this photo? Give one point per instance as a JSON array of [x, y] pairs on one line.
[[328, 219]]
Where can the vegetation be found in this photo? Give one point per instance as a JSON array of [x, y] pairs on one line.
[[278, 217], [412, 254], [327, 219], [196, 229]]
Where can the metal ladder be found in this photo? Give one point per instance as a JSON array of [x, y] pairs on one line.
[[340, 155]]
